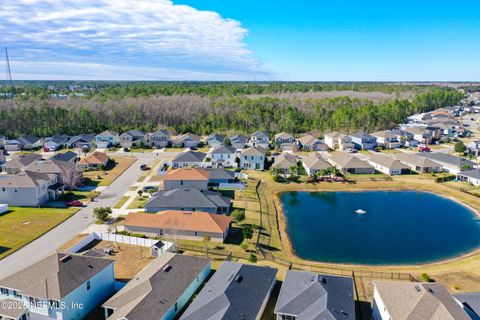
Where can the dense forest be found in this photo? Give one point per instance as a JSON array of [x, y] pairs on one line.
[[242, 107]]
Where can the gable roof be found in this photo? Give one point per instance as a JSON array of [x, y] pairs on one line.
[[51, 166], [26, 179], [260, 134], [187, 136], [218, 174], [446, 158], [155, 289], [66, 156], [308, 140], [161, 132], [87, 138], [388, 162], [215, 137], [316, 161], [238, 138], [409, 300], [283, 135], [181, 220], [416, 160], [187, 198], [135, 134], [308, 295], [23, 160], [253, 151], [285, 161], [108, 133], [345, 160], [97, 157], [474, 173], [55, 276], [28, 139], [224, 150], [58, 139], [190, 156], [186, 174], [235, 291]]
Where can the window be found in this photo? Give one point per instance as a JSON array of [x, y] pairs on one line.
[[16, 294], [181, 182], [176, 307], [88, 285], [3, 189], [4, 291]]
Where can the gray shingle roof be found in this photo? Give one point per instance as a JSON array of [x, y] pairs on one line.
[[316, 161], [216, 174], [66, 156], [446, 158], [187, 198], [23, 179], [474, 174], [55, 276], [236, 291], [154, 291], [190, 156], [23, 160], [224, 150], [253, 151], [307, 295], [28, 139], [471, 301]]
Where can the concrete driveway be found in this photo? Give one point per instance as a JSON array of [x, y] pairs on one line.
[[53, 239]]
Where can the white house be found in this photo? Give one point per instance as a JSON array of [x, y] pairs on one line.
[[470, 176], [314, 163], [283, 137], [449, 163], [107, 139], [193, 159], [224, 157], [187, 140], [252, 158], [388, 165], [215, 140], [259, 139], [387, 139], [61, 286], [337, 140]]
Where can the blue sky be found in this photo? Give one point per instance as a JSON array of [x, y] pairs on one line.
[[243, 40]]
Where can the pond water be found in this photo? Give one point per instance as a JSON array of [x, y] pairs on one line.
[[378, 227]]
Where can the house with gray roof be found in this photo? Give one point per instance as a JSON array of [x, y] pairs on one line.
[[470, 302], [310, 143], [132, 138], [159, 139], [2, 141], [192, 159], [235, 291], [67, 172], [20, 162], [252, 158], [284, 163], [81, 141], [314, 163], [224, 157], [30, 142], [363, 141], [55, 286], [387, 139], [186, 140], [311, 296], [188, 200], [238, 141], [470, 176], [259, 139], [215, 140], [348, 163], [161, 290], [398, 300], [283, 138], [68, 156], [107, 139], [55, 143], [418, 163], [388, 165], [450, 163]]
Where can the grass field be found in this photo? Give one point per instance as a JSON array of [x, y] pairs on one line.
[[138, 203], [113, 170], [20, 226], [121, 202]]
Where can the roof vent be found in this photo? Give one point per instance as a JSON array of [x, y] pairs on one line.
[[90, 266], [65, 258], [167, 268], [417, 288], [322, 279], [238, 279]]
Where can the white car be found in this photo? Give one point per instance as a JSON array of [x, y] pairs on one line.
[[350, 150]]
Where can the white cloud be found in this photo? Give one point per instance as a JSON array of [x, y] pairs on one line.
[[115, 36]]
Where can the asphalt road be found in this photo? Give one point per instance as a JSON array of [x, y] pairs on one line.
[[53, 239]]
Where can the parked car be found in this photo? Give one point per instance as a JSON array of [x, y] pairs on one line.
[[126, 150], [150, 189], [424, 149], [144, 167], [75, 203], [350, 150]]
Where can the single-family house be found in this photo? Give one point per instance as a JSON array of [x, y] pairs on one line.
[[95, 161], [68, 156], [55, 143], [284, 163], [363, 141], [337, 140], [13, 145], [29, 189], [470, 302], [387, 139], [185, 199], [348, 163], [30, 142], [224, 157], [470, 176], [107, 139], [215, 140], [81, 141], [420, 134], [66, 172], [193, 159], [159, 139], [310, 143], [235, 291], [174, 224], [395, 300], [60, 286], [186, 140], [252, 158], [473, 148], [307, 295], [283, 138], [161, 290], [450, 163], [20, 162], [388, 165], [259, 139], [238, 141], [132, 138], [221, 178], [191, 178], [314, 163], [418, 163]]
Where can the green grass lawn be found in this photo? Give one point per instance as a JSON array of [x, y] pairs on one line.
[[138, 202], [20, 226], [121, 202]]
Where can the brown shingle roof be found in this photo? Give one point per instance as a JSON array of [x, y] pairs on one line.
[[180, 220], [186, 174], [95, 158]]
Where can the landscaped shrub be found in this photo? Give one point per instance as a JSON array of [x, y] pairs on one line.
[[252, 258], [238, 215], [247, 231]]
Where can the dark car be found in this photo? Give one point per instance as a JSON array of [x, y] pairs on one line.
[[126, 150], [150, 189], [144, 167]]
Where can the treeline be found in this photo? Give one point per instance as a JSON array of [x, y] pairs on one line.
[[102, 90], [205, 115]]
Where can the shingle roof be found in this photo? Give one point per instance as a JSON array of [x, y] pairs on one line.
[[108, 133], [238, 138], [283, 135], [135, 133], [155, 289], [185, 136], [388, 162], [59, 139], [28, 139], [187, 198], [446, 158], [10, 308], [349, 161], [235, 291], [474, 174], [190, 156], [409, 300], [24, 179], [218, 174], [95, 158], [224, 150], [253, 151], [470, 300], [55, 276], [66, 156], [180, 220], [23, 160], [285, 161], [316, 161], [416, 160], [215, 137], [308, 140], [51, 166], [186, 174], [307, 295]]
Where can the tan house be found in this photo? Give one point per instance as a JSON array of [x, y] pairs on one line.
[[19, 163], [310, 143], [94, 161], [388, 165], [419, 164], [337, 140], [314, 163], [66, 172], [188, 225]]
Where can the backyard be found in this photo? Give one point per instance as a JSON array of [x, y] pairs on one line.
[[112, 171], [20, 226]]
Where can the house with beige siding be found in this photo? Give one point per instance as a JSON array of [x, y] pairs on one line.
[[348, 163], [337, 140], [252, 158], [387, 165], [418, 164], [315, 163]]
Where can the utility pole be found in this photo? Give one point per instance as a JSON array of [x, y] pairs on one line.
[[8, 71]]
